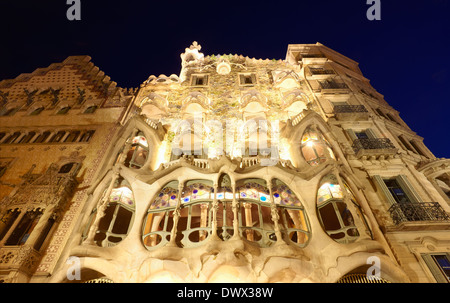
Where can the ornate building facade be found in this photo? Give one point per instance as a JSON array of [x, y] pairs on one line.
[[236, 170]]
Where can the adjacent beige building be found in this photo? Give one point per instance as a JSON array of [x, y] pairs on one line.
[[236, 170]]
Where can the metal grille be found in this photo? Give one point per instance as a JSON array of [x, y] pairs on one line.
[[100, 280], [424, 211], [378, 143], [361, 278], [350, 109]]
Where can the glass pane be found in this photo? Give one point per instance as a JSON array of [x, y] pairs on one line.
[[345, 213], [197, 191], [139, 156], [323, 194], [284, 195], [122, 221], [329, 217], [254, 191], [167, 197], [444, 263], [106, 219]]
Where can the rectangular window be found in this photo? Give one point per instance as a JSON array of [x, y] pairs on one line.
[[361, 134], [86, 137], [44, 233], [248, 79], [24, 228], [12, 138], [439, 265], [58, 136], [397, 190], [199, 80], [6, 221]]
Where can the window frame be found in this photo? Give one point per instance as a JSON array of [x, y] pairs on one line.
[[195, 77], [242, 77], [435, 268]]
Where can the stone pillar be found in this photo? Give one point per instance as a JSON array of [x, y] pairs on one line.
[[215, 207], [13, 227], [176, 216], [235, 208], [356, 213], [274, 213]]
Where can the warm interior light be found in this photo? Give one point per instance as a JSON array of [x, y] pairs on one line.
[[226, 274], [164, 277]]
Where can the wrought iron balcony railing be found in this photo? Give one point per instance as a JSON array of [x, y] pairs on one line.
[[350, 109], [332, 85], [427, 211], [321, 71], [377, 145], [313, 56]]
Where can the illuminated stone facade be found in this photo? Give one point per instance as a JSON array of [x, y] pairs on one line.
[[236, 170]]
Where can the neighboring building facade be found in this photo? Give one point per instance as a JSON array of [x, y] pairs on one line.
[[55, 126], [236, 170]]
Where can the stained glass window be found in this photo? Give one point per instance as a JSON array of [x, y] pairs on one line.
[[167, 197], [283, 195], [254, 191], [197, 191]]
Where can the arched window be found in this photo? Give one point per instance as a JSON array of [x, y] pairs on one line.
[[24, 228], [7, 220], [314, 147], [138, 153], [293, 219], [119, 214], [159, 221], [334, 214]]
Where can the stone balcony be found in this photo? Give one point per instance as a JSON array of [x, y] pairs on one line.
[[320, 73], [419, 216], [23, 258], [374, 147], [313, 58], [351, 112], [332, 87]]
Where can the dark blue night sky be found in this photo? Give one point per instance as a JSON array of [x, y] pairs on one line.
[[405, 55]]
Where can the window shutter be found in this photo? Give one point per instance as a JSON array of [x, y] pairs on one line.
[[383, 188], [351, 134], [371, 134], [408, 188], [241, 79], [434, 268]]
